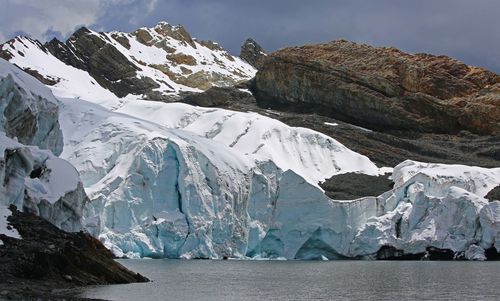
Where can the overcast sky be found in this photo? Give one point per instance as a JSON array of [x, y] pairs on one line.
[[465, 29]]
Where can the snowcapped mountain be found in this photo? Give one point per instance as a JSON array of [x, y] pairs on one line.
[[178, 181], [154, 63]]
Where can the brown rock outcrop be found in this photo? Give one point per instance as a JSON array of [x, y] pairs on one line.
[[381, 88]]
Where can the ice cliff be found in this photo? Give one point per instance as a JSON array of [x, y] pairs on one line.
[[191, 182], [31, 176], [28, 110], [172, 180]]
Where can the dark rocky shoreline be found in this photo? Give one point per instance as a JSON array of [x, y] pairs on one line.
[[47, 262]]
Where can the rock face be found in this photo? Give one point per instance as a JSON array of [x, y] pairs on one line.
[[157, 63], [45, 257], [218, 97], [381, 88], [253, 53], [94, 54]]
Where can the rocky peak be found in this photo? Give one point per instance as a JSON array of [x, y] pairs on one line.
[[82, 31], [177, 32], [252, 53], [8, 49]]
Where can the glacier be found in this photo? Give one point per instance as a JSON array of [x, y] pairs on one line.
[[433, 205], [194, 186], [32, 178], [172, 180], [36, 181], [28, 110], [177, 181]]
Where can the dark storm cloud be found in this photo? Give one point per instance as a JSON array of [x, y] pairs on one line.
[[465, 29]]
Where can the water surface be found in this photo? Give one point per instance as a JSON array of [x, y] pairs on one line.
[[306, 280]]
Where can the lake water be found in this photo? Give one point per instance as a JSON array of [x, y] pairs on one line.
[[306, 280]]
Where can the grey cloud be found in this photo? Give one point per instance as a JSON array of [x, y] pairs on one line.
[[44, 19], [464, 29]]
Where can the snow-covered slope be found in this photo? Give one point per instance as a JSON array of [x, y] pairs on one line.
[[155, 63], [64, 80], [310, 154], [184, 57]]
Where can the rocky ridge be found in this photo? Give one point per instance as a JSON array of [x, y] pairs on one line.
[[381, 88], [156, 63]]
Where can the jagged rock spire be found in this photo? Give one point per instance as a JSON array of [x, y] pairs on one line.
[[253, 53]]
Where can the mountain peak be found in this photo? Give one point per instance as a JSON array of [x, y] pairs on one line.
[[82, 30], [252, 53]]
